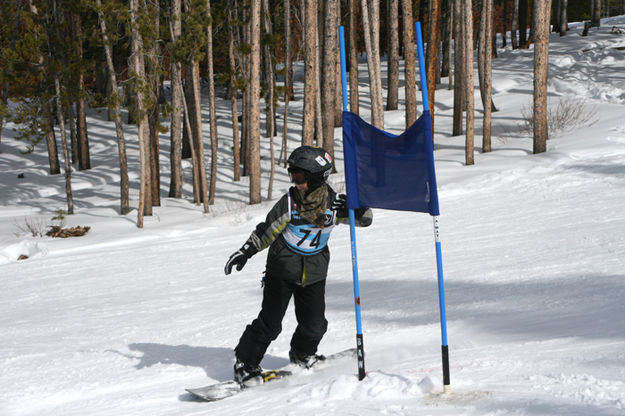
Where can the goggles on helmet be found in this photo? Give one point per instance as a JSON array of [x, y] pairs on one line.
[[298, 176]]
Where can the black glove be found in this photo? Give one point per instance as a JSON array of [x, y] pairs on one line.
[[339, 203], [239, 259]]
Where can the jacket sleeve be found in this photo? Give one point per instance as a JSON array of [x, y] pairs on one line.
[[267, 231]]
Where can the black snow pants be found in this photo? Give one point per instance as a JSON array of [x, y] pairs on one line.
[[309, 311]]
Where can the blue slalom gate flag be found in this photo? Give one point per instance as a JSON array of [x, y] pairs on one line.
[[386, 171]]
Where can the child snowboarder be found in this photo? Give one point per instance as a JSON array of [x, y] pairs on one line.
[[296, 231]]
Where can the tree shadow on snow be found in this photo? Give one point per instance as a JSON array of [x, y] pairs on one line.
[[582, 305]]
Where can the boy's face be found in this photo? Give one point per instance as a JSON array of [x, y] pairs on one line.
[[303, 187]]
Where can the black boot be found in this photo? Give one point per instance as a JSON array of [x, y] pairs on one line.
[[247, 374], [304, 360]]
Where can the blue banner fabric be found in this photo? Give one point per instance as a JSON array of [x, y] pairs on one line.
[[386, 171]]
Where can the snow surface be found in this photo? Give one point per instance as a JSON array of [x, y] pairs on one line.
[[122, 320]]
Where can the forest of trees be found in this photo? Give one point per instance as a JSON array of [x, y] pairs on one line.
[[58, 58]]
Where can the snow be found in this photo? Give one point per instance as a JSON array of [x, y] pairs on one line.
[[121, 320]]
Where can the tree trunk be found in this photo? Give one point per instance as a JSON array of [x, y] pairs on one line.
[[485, 57], [371, 24], [138, 66], [310, 76], [84, 158], [595, 15], [232, 60], [353, 56], [504, 27], [541, 68], [255, 103], [211, 105], [468, 81], [154, 64], [53, 152], [459, 65], [328, 84], [193, 99], [318, 111], [288, 79], [73, 137], [68, 165], [269, 98], [564, 18], [392, 98], [409, 63], [175, 131], [523, 23], [447, 22], [117, 117], [514, 26], [432, 58]]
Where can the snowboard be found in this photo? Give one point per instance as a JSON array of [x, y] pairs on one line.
[[224, 389]]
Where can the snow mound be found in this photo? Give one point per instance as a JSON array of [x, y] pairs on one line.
[[30, 249], [376, 386]]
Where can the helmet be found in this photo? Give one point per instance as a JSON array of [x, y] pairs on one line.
[[314, 161]]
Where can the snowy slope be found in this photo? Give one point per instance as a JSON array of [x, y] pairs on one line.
[[120, 321]]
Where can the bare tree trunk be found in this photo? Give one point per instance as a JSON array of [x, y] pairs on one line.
[[73, 137], [522, 23], [504, 27], [310, 76], [541, 69], [84, 159], [233, 94], [138, 66], [353, 57], [68, 165], [255, 103], [211, 104], [432, 59], [371, 24], [328, 84], [447, 29], [485, 56], [468, 81], [459, 68], [595, 13], [392, 98], [409, 63], [514, 27], [175, 182], [53, 152], [53, 32], [117, 117], [288, 79], [154, 63], [193, 98], [564, 18], [269, 98], [318, 111]]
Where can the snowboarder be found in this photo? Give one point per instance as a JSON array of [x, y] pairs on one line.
[[296, 231]]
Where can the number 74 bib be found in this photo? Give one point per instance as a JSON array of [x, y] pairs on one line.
[[307, 239]]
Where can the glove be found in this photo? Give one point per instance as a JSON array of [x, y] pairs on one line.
[[339, 203], [239, 259]]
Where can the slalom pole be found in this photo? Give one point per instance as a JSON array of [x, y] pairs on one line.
[[352, 231], [437, 240]]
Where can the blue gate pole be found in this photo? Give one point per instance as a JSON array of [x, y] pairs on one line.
[[352, 231], [437, 241]]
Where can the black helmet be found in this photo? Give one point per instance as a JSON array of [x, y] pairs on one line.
[[315, 161]]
